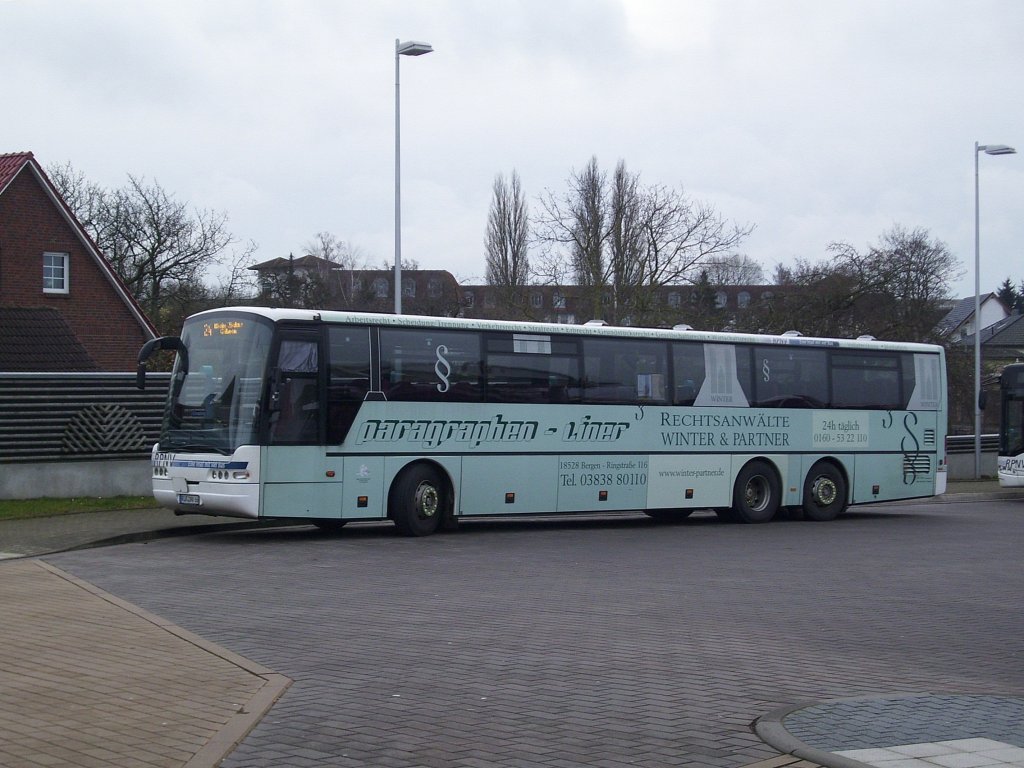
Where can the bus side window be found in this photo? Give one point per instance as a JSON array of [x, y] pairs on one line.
[[689, 369], [348, 378], [531, 368], [624, 371], [785, 377], [425, 365], [868, 380]]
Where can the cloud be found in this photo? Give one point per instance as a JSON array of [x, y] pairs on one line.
[[815, 121]]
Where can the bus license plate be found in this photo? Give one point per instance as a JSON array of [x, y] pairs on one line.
[[189, 499]]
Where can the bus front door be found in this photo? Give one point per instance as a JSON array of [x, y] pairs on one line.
[[299, 479]]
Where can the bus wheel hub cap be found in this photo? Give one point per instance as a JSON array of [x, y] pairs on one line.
[[426, 500], [824, 491], [757, 494]]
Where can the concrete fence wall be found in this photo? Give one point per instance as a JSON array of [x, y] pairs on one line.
[[107, 477]]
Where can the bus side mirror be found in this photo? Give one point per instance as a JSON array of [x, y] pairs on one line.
[[164, 342]]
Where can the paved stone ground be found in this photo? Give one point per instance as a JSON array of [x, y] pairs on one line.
[[610, 643], [87, 681]]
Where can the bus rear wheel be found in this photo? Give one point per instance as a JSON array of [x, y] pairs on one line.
[[824, 493], [417, 501], [756, 495]]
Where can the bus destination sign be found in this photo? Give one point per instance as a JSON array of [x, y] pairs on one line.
[[223, 328]]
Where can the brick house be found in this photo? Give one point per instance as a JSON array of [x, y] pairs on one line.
[[62, 306]]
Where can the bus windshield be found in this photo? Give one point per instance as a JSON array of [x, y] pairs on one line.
[[215, 404]]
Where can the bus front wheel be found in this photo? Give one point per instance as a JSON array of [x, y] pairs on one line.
[[417, 500], [756, 495], [824, 492]]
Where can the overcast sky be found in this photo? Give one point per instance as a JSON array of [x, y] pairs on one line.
[[815, 121]]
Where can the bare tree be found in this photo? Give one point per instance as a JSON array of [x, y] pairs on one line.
[[155, 240], [816, 298], [573, 229], [624, 241], [239, 284], [893, 290], [734, 269], [907, 274], [156, 243], [506, 242], [85, 198], [627, 240], [335, 278]]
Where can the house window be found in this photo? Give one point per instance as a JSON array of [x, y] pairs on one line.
[[55, 272], [468, 299], [409, 287], [380, 288], [674, 299], [558, 300], [721, 300], [434, 288], [489, 300], [536, 300], [743, 300]]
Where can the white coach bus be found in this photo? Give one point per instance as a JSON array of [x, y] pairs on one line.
[[338, 416]]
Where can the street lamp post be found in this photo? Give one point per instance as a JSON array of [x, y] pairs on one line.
[[408, 48], [988, 149]]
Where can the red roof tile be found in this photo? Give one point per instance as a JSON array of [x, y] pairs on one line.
[[10, 165]]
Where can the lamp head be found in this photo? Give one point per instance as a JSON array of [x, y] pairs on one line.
[[413, 48], [996, 149]]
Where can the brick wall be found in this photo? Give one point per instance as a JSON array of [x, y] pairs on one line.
[[31, 224]]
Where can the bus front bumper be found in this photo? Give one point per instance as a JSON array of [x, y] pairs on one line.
[[206, 498], [1011, 479]]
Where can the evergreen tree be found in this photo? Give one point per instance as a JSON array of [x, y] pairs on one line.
[[1009, 295]]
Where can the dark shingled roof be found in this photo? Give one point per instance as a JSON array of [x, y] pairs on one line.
[[1008, 332], [39, 341], [960, 313]]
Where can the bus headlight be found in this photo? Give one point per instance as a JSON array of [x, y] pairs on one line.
[[224, 474]]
